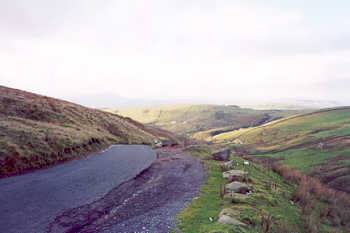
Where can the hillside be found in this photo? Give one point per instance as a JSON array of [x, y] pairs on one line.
[[316, 143], [189, 119], [37, 131]]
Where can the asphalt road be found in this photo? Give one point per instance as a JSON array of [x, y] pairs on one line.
[[29, 202], [149, 203]]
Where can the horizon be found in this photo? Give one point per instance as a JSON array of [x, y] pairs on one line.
[[162, 51], [110, 101]]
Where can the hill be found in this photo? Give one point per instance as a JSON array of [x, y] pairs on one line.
[[317, 144], [37, 131], [189, 119]]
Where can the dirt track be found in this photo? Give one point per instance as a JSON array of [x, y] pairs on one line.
[[147, 203]]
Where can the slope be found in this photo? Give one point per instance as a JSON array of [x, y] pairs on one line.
[[37, 131], [317, 143]]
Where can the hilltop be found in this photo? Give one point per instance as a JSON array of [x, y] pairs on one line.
[[37, 131], [189, 119]]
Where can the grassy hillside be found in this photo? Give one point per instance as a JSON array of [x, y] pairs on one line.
[[317, 144], [189, 119], [310, 152], [264, 201], [36, 131]]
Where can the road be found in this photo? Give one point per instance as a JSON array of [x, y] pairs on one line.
[[30, 202], [149, 203]]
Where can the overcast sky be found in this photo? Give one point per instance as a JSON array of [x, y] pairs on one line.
[[206, 50]]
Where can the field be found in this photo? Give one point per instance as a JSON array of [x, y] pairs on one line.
[[37, 131], [190, 119]]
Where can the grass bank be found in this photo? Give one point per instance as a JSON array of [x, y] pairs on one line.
[[268, 204]]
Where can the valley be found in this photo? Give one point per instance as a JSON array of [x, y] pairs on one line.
[[174, 116], [190, 119], [161, 174]]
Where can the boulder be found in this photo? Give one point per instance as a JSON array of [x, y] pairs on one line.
[[222, 155], [237, 187], [227, 165], [235, 175], [228, 217], [235, 197]]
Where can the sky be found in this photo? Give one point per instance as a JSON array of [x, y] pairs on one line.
[[209, 51]]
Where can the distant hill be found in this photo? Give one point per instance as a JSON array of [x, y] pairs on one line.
[[189, 119], [37, 131], [317, 143], [295, 104]]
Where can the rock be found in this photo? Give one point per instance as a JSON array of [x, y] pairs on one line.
[[229, 221], [235, 175], [237, 187], [230, 212], [222, 155], [235, 197], [227, 165], [238, 141], [228, 217], [168, 143]]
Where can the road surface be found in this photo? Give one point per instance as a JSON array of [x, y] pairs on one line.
[[30, 202], [148, 203]]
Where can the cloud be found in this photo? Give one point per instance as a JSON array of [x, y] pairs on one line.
[[222, 50]]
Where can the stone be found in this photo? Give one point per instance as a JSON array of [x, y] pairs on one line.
[[228, 217], [235, 197], [237, 187], [227, 165], [230, 212], [238, 141], [222, 155], [235, 175]]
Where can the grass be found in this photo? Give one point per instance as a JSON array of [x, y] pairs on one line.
[[293, 131], [323, 208], [264, 201], [305, 159], [196, 217]]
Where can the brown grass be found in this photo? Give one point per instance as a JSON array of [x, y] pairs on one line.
[[319, 203], [38, 131]]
